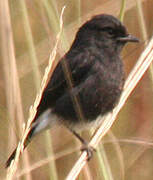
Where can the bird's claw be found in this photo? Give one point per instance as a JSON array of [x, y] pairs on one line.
[[89, 150]]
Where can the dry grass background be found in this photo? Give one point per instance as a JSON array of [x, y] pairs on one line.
[[126, 152]]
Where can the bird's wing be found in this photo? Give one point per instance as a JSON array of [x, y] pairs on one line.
[[77, 66], [74, 64]]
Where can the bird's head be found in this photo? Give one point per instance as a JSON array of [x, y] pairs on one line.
[[105, 30]]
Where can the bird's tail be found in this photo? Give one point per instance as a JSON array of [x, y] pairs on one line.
[[41, 123], [27, 141]]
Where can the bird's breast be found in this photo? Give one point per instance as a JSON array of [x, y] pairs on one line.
[[102, 89]]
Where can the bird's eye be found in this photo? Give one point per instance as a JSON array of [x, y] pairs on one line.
[[109, 30]]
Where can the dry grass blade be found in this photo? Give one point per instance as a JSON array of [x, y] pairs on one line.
[[136, 74], [45, 161], [33, 109], [12, 85]]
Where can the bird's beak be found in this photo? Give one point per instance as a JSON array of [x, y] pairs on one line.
[[128, 38]]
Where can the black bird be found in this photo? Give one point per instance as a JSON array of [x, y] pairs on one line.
[[87, 82]]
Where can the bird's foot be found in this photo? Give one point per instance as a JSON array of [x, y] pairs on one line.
[[86, 147], [89, 150]]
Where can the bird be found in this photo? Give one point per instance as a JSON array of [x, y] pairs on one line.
[[88, 80]]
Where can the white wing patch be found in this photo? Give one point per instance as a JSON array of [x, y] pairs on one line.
[[45, 121]]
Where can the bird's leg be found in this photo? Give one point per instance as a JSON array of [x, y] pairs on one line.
[[86, 147]]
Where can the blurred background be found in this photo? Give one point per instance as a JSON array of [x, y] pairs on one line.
[[126, 151]]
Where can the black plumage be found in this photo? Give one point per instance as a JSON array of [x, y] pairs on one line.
[[88, 80]]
